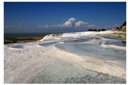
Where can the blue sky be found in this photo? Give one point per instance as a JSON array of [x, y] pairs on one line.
[[46, 17]]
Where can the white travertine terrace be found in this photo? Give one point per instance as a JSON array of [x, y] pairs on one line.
[[56, 58]]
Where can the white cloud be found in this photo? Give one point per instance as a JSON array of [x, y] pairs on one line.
[[89, 26], [116, 25], [108, 27], [79, 23], [13, 26], [70, 23]]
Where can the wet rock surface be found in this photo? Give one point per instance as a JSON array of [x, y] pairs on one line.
[[74, 74], [100, 78]]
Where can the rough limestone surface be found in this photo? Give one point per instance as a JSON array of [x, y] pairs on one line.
[[82, 57]]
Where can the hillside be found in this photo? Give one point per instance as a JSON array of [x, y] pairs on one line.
[[122, 28]]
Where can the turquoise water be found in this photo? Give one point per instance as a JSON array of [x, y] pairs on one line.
[[47, 44], [117, 43]]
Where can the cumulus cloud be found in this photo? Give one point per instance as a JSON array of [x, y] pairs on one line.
[[73, 23], [70, 23], [79, 23]]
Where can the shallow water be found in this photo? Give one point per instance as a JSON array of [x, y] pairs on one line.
[[93, 50], [76, 40], [117, 43], [47, 44]]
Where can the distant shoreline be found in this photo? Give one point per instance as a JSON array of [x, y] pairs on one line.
[[22, 37]]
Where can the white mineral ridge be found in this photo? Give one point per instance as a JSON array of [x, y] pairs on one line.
[[64, 56], [75, 34]]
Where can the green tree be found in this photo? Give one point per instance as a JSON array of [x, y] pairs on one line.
[[103, 30], [124, 24], [117, 28]]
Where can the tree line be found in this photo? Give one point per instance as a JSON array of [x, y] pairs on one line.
[[96, 29]]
